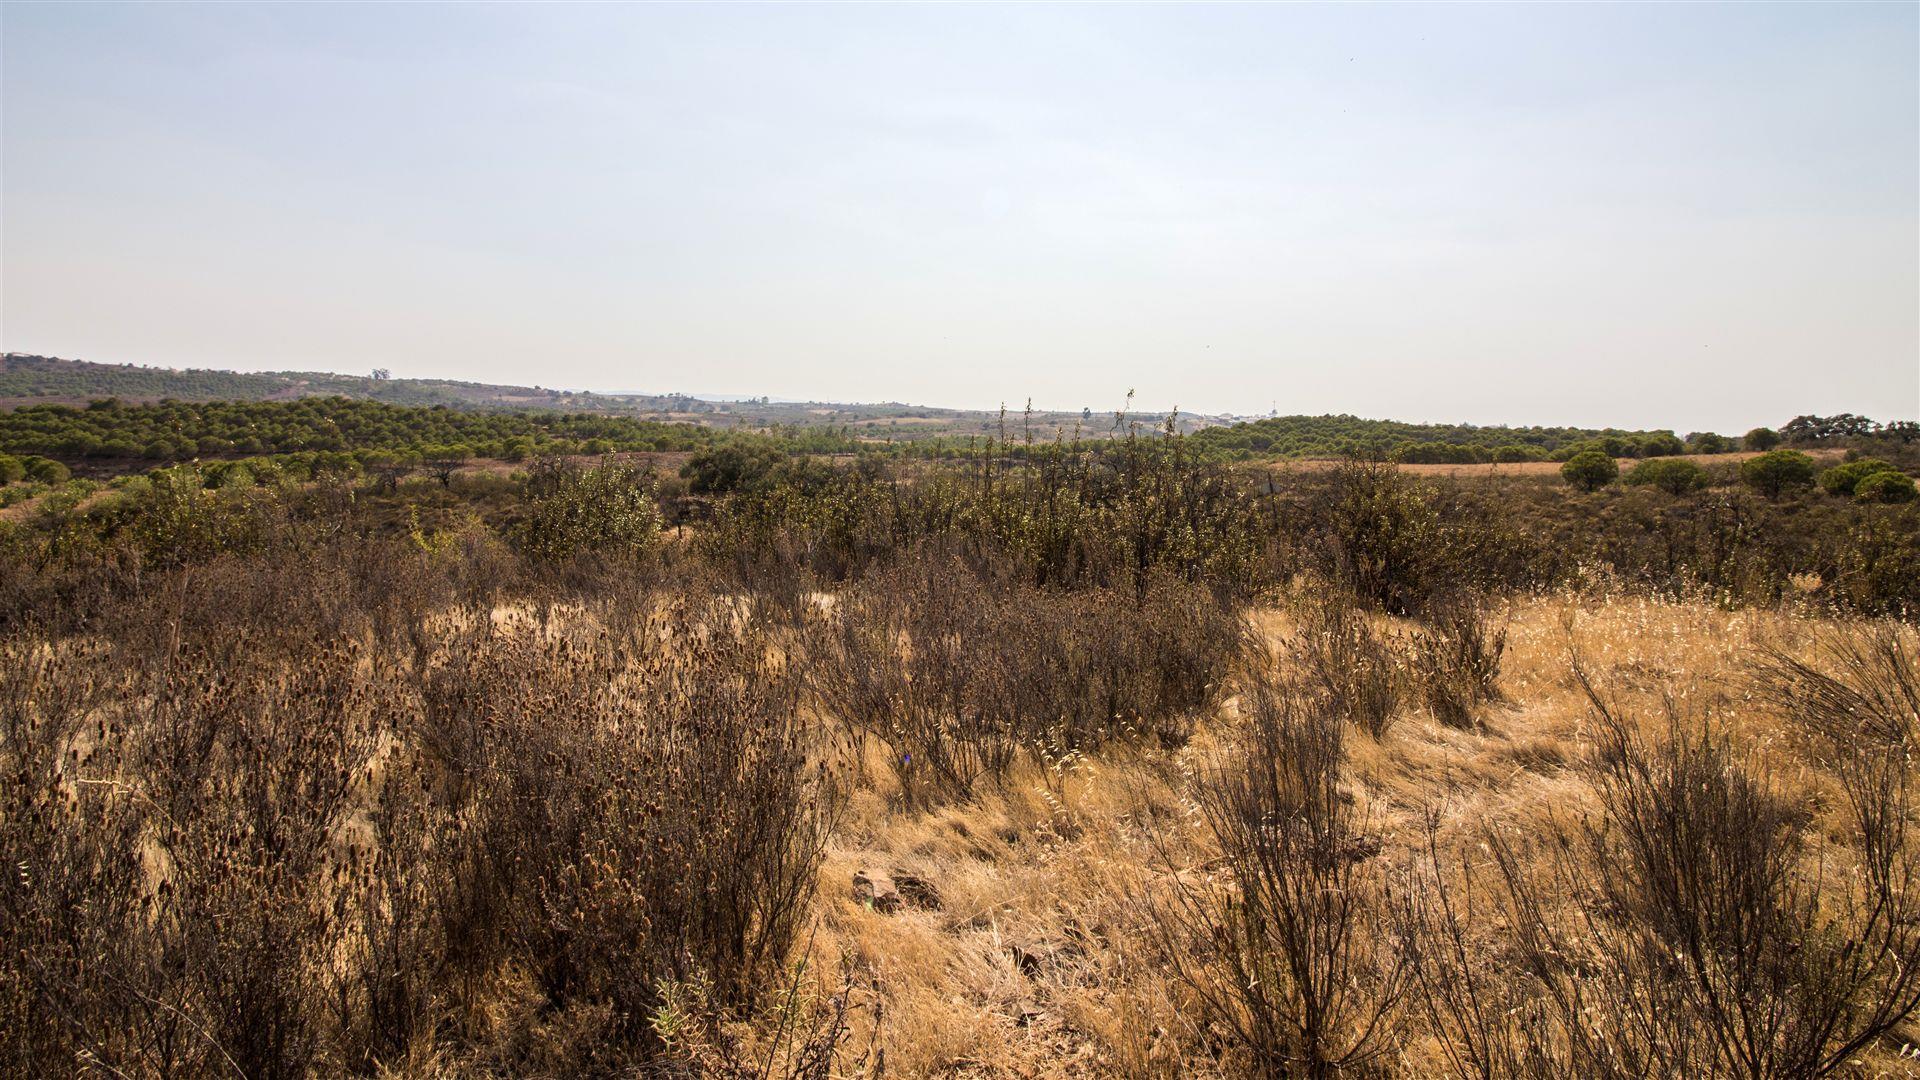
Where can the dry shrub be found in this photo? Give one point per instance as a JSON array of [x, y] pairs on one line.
[[181, 860], [1358, 671], [811, 1036], [959, 679], [327, 852], [1872, 692], [1288, 944], [1377, 533], [655, 800], [1696, 929], [1457, 660]]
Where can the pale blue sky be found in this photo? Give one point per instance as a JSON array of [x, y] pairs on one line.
[[1697, 216]]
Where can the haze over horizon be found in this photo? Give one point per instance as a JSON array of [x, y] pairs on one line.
[[1684, 217]]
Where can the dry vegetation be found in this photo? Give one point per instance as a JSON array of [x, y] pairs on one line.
[[1081, 797]]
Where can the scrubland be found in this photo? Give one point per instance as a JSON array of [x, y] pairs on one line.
[[1105, 764]]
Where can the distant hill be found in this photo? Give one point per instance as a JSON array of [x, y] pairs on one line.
[[45, 379], [1341, 435]]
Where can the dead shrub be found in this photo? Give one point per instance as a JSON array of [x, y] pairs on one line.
[[958, 680], [1288, 943], [1864, 683], [1457, 661], [1695, 929], [321, 853], [1358, 671]]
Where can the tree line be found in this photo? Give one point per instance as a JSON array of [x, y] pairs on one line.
[[181, 431]]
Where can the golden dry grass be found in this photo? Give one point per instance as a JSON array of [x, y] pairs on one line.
[[1036, 963]]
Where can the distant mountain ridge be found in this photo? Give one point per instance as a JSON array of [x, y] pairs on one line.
[[45, 380], [28, 379]]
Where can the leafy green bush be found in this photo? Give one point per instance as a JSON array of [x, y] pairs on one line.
[[608, 509], [1760, 438], [1777, 471], [176, 517], [1377, 532], [1885, 486], [1660, 443], [1841, 479], [717, 470], [44, 470], [11, 469], [1675, 476], [1590, 470]]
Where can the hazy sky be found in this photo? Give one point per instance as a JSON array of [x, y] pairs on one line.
[[1688, 216]]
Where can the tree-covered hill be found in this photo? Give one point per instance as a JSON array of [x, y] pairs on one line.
[[1342, 435], [24, 378], [179, 430]]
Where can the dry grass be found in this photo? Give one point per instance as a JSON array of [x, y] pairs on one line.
[[615, 837], [1050, 863]]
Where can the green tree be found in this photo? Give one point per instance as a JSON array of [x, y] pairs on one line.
[[1660, 444], [608, 509], [1842, 479], [44, 470], [720, 469], [1760, 438], [1885, 487], [1675, 476], [1777, 471], [1590, 470], [11, 469]]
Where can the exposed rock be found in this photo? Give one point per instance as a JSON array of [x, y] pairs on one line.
[[916, 890], [875, 888], [1033, 957]]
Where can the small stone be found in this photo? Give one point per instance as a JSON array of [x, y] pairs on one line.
[[916, 890], [875, 888]]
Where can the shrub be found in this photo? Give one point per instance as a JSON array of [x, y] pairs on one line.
[[1659, 444], [1872, 564], [1694, 930], [1777, 471], [295, 842], [1885, 487], [1675, 476], [717, 470], [958, 676], [177, 518], [1863, 684], [571, 511], [1590, 470], [1457, 661], [1378, 533], [1761, 439], [1842, 479], [11, 469], [1290, 949], [44, 470], [1358, 671], [618, 881]]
